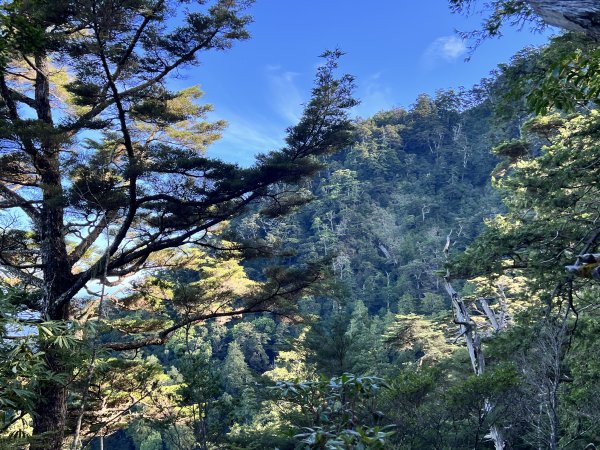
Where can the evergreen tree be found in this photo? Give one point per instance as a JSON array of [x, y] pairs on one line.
[[103, 161]]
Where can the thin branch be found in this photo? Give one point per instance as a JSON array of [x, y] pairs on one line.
[[132, 190], [74, 127]]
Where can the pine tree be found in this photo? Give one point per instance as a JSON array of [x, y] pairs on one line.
[[102, 164]]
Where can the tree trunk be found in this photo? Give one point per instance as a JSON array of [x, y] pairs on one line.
[[490, 314], [573, 15], [49, 421], [468, 329], [50, 413], [50, 416]]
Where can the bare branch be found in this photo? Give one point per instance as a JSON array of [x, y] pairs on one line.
[[18, 201], [93, 235]]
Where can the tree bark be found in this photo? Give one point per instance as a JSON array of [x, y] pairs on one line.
[[490, 314], [573, 15], [468, 329], [50, 413]]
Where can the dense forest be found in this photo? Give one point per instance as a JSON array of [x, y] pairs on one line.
[[425, 278]]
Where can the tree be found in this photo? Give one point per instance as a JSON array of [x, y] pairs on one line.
[[579, 15], [102, 165], [566, 76], [549, 226], [336, 413]]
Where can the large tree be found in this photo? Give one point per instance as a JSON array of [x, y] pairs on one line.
[[102, 164], [566, 76], [571, 15], [549, 184]]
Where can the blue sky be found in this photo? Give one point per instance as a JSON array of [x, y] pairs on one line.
[[396, 49]]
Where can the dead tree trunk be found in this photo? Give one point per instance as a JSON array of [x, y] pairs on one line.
[[468, 330]]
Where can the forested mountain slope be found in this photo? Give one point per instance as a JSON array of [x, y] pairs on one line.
[[381, 211], [426, 278], [383, 207], [379, 218]]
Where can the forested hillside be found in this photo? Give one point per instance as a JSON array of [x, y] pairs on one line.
[[383, 207], [425, 278], [380, 213], [378, 221]]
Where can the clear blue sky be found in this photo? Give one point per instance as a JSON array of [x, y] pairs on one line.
[[396, 49]]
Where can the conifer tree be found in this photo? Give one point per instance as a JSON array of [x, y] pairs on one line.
[[102, 165]]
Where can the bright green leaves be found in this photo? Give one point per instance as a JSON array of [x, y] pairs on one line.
[[58, 334], [564, 76], [23, 365], [514, 149], [573, 81], [423, 337], [552, 200]]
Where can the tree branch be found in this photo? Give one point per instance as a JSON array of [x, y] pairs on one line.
[[162, 337], [13, 113], [19, 202], [132, 172], [76, 126], [87, 242]]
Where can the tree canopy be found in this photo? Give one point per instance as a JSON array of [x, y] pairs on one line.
[[423, 278], [103, 171]]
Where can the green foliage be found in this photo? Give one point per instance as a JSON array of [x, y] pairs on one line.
[[548, 183], [23, 364], [105, 163], [385, 205], [498, 12], [380, 213], [550, 199], [424, 338], [574, 81], [339, 411], [563, 75]]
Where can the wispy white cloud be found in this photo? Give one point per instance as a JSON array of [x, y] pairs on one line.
[[245, 136], [286, 97], [259, 131], [443, 49], [374, 96]]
